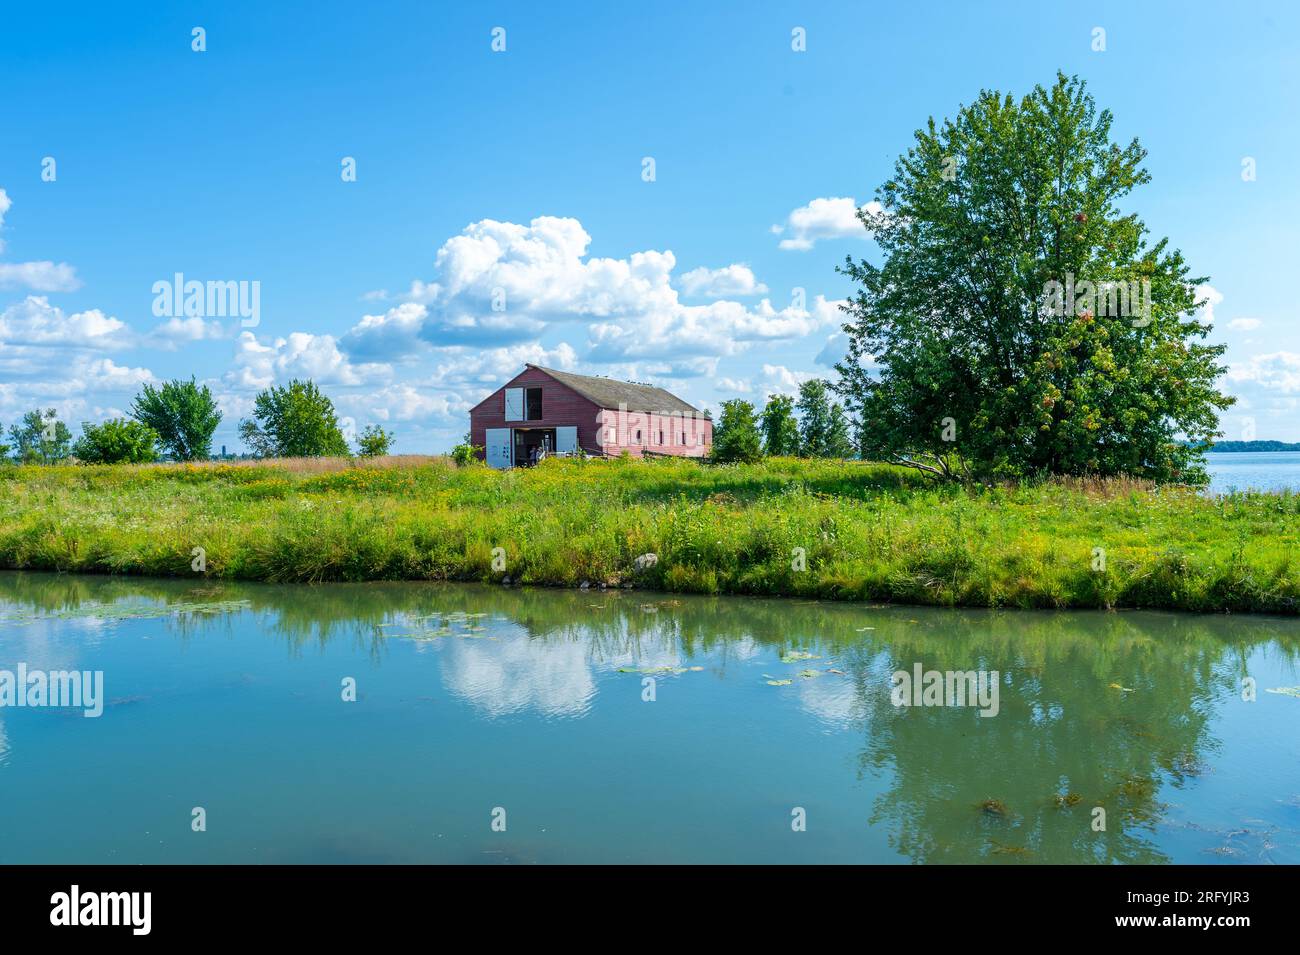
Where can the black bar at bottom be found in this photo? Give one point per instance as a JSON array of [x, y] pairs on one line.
[[333, 904]]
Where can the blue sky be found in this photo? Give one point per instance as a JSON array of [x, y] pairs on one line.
[[519, 174]]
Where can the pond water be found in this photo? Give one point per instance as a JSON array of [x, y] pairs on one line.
[[470, 700], [1253, 471]]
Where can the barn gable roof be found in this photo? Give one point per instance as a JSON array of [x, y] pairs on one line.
[[610, 393]]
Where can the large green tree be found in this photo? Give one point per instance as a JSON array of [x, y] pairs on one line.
[[839, 438], [1021, 322], [40, 438], [814, 407], [779, 427], [183, 413], [293, 421], [736, 438]]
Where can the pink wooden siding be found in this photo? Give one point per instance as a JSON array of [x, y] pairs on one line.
[[561, 407], [682, 435], [600, 430]]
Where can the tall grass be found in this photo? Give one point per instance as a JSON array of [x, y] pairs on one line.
[[865, 531]]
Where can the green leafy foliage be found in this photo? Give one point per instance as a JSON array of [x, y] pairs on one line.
[[117, 441], [779, 427], [183, 414], [736, 438], [293, 421], [814, 418], [823, 427], [465, 454], [839, 441], [374, 442], [40, 438], [965, 357]]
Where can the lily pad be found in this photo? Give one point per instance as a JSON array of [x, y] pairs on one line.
[[130, 611], [994, 807], [794, 656], [999, 849]]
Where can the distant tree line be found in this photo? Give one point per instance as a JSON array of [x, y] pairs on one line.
[[177, 419], [811, 426], [1230, 446]]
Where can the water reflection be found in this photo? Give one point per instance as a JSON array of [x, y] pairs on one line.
[[515, 673], [1120, 712]]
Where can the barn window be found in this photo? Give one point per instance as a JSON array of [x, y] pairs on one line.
[[533, 401], [661, 437], [638, 436]]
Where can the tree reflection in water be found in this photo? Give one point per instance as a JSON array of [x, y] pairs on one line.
[[1096, 710]]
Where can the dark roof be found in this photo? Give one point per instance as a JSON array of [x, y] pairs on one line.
[[609, 393]]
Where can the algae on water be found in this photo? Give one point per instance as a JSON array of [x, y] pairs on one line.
[[125, 611]]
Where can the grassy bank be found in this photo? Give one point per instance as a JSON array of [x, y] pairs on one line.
[[868, 532]]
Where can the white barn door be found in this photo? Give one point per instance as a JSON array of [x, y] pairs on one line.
[[497, 447], [514, 404], [566, 439]]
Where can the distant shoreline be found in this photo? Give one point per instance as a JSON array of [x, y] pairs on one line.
[[1228, 447]]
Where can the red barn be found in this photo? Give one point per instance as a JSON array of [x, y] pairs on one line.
[[542, 411]]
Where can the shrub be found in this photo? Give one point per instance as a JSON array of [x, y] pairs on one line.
[[116, 441], [466, 453], [374, 442]]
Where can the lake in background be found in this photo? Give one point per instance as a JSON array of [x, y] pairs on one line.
[[1254, 470], [228, 697]]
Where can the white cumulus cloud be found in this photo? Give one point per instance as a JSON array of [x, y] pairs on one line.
[[106, 374], [176, 332], [259, 365], [719, 283], [37, 276], [1277, 373], [489, 368], [404, 401], [778, 379], [34, 321], [1207, 297], [831, 218], [502, 283]]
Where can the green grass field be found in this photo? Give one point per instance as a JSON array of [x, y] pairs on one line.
[[866, 532]]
